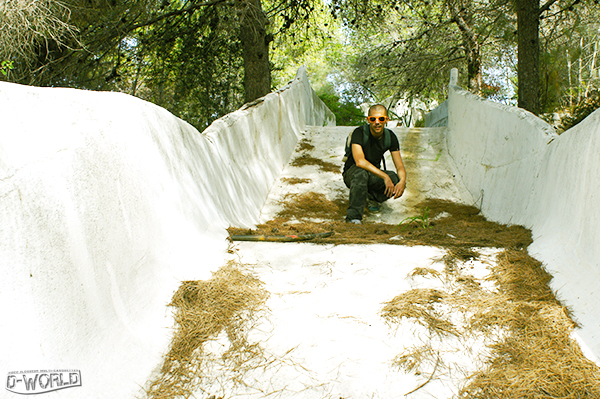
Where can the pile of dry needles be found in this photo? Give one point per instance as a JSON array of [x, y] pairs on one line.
[[228, 303], [464, 227], [526, 329]]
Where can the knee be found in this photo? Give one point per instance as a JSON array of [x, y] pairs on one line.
[[360, 174]]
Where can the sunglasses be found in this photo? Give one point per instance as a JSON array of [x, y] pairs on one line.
[[374, 118]]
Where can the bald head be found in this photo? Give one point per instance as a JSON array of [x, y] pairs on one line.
[[377, 119], [378, 109]]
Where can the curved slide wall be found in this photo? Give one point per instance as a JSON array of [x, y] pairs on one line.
[[521, 172], [107, 202]]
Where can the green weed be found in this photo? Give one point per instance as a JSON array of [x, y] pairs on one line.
[[421, 220], [5, 67]]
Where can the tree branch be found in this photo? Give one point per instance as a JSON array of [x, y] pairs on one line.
[[461, 23], [159, 18], [547, 6]]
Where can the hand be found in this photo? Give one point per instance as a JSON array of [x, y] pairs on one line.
[[399, 189], [390, 189]]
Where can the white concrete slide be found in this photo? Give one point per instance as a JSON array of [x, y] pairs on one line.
[[107, 202], [523, 173]]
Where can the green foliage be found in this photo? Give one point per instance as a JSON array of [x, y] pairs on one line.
[[420, 122], [321, 47], [195, 68], [186, 56], [421, 220], [581, 111], [569, 58], [347, 113], [6, 66], [315, 44], [406, 49]]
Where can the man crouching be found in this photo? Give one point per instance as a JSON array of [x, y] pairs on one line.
[[362, 169]]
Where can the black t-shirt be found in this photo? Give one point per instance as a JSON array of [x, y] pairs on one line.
[[373, 149]]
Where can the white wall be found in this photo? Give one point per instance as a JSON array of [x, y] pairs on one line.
[[523, 173], [107, 202], [438, 116]]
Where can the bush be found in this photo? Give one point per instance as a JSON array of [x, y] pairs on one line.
[[347, 113], [581, 111]]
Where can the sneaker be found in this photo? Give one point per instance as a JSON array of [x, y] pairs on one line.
[[374, 206], [354, 221]]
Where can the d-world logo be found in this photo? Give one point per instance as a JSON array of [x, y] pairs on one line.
[[40, 381]]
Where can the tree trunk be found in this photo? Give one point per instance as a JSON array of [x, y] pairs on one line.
[[528, 49], [474, 66], [464, 21], [255, 44]]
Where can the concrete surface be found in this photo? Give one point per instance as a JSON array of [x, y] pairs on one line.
[[424, 154], [323, 333], [522, 172], [107, 202]]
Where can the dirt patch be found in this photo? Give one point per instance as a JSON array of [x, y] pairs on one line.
[[307, 159], [305, 145], [295, 180], [228, 303]]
